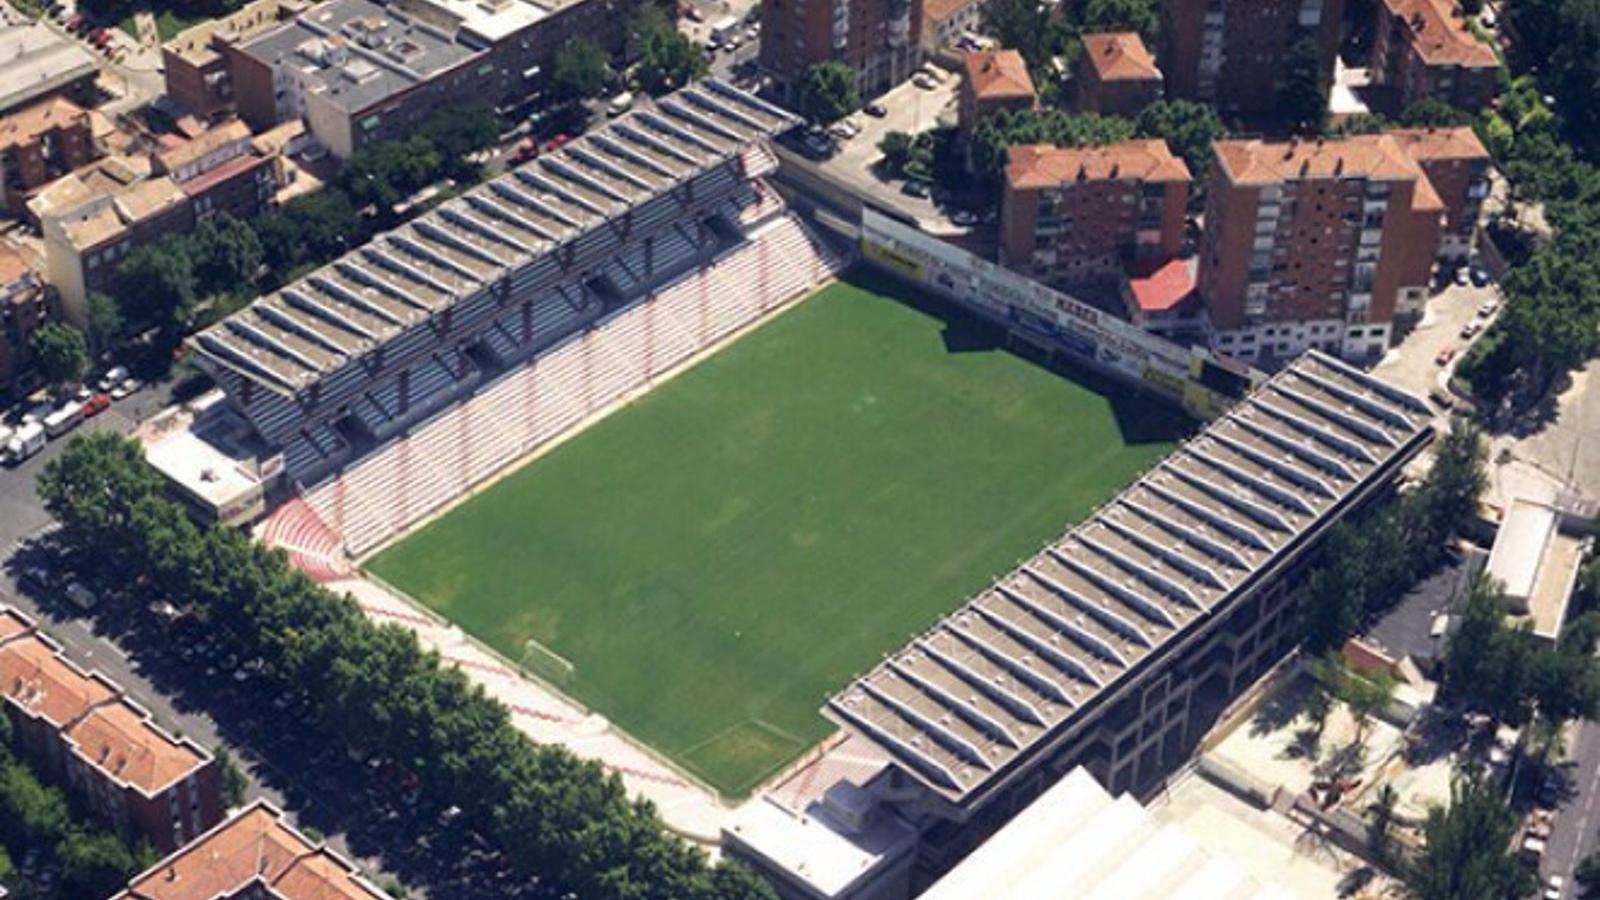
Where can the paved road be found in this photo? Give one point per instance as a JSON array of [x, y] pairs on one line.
[[1576, 832], [1568, 445]]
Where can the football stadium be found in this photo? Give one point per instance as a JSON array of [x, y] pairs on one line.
[[622, 436], [712, 559]]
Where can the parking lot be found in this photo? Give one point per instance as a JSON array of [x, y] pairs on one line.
[[1435, 346], [855, 161]]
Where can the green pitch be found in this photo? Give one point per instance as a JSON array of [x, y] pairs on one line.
[[717, 557]]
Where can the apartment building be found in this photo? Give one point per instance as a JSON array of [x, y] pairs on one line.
[[38, 144], [1117, 76], [992, 80], [360, 71], [220, 171], [39, 63], [85, 733], [1315, 244], [1078, 215], [23, 309], [945, 21], [195, 63], [1233, 53], [255, 854], [1457, 165], [97, 215], [1426, 48], [880, 40]]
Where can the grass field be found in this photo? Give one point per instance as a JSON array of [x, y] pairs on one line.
[[723, 553]]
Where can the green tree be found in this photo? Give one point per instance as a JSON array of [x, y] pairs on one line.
[[1303, 96], [60, 353], [1433, 112], [1142, 16], [1587, 876], [231, 778], [828, 93], [94, 864], [579, 70], [1189, 128], [668, 60], [1021, 25], [1007, 128], [91, 489], [1467, 849], [155, 284], [1380, 824], [457, 132], [896, 149], [226, 254], [104, 320]]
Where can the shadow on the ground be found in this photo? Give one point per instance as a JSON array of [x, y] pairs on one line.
[[1142, 417]]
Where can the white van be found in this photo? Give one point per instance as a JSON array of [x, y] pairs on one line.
[[63, 420], [724, 28], [28, 440], [620, 104]]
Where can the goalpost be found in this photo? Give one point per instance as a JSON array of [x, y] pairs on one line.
[[546, 663]]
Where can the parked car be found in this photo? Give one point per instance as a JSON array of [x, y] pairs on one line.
[[964, 218], [1553, 887], [1471, 328], [95, 405], [113, 377], [524, 152], [1463, 276], [1480, 277], [63, 420], [875, 109], [81, 597], [557, 142], [1488, 307], [127, 388], [915, 188], [923, 82], [1444, 357], [620, 104]]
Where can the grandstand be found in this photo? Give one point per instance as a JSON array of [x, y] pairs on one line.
[[575, 265], [1054, 643], [1114, 648]]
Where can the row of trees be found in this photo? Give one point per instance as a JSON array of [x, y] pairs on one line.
[[1551, 322], [667, 59], [1369, 562], [557, 817], [38, 824], [1189, 128]]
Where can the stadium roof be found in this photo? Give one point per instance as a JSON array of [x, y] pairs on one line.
[[1030, 656], [290, 339]]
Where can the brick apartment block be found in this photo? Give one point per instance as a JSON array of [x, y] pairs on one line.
[[1315, 244], [880, 40], [992, 80], [87, 735], [1233, 53], [1117, 76], [1425, 48], [1074, 215]]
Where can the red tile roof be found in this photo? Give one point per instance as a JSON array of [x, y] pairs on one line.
[[994, 74], [1371, 156], [1163, 286], [254, 849], [1120, 56], [1045, 165], [1439, 31], [1423, 144]]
